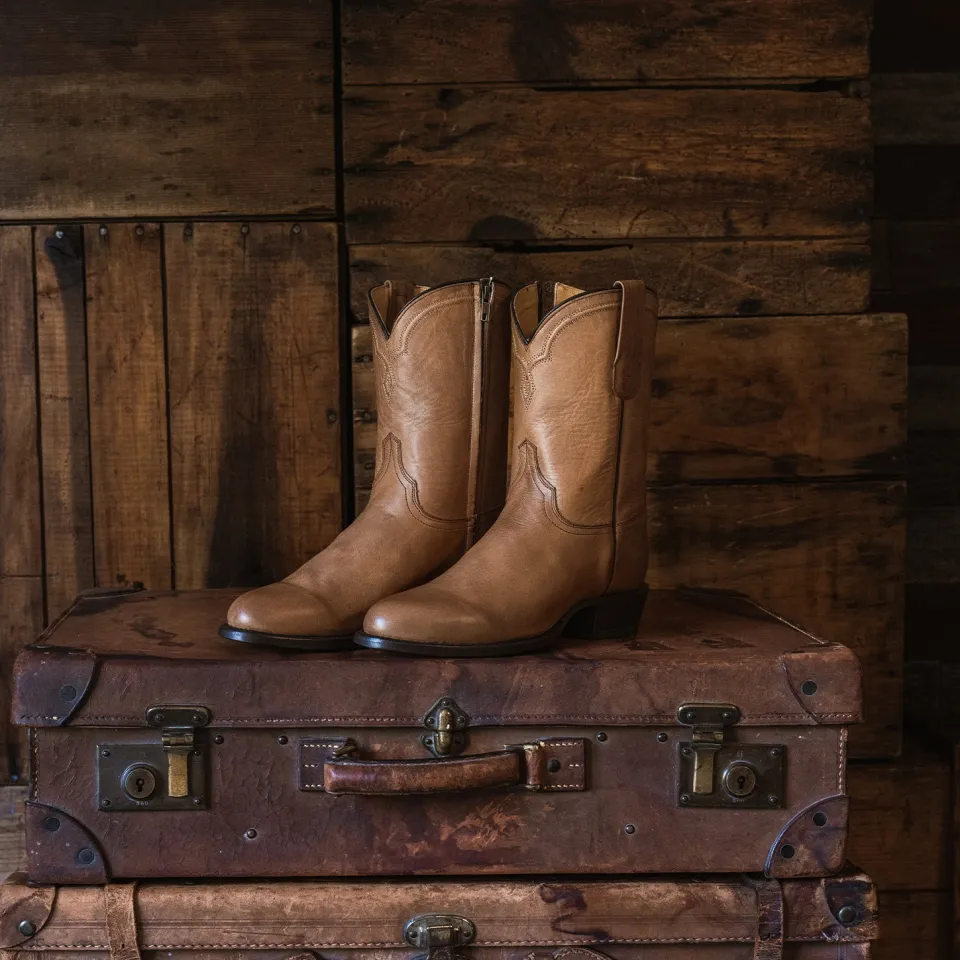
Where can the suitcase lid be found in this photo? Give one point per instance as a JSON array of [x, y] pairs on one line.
[[548, 913], [113, 655]]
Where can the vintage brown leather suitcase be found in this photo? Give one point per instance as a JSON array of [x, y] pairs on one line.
[[714, 741], [709, 918]]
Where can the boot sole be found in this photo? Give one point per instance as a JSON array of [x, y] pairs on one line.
[[603, 618], [287, 641]]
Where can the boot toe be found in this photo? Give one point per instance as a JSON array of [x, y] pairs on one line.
[[284, 609], [429, 615]]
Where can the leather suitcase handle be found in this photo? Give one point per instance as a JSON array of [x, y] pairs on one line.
[[391, 777]]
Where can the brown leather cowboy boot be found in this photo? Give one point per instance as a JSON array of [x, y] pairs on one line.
[[441, 365], [568, 554]]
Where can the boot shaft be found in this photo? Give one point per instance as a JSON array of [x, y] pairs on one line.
[[441, 367], [582, 368]]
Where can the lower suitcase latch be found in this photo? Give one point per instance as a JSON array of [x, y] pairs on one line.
[[439, 935], [169, 775], [715, 772]]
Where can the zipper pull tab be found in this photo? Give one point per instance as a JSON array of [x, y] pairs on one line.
[[486, 296]]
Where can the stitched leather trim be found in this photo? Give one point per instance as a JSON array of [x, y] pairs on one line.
[[527, 365], [528, 455], [392, 451]]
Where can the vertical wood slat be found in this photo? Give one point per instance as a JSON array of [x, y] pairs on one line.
[[253, 336], [64, 414], [21, 550], [128, 410]]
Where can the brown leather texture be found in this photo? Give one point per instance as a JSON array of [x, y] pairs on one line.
[[618, 699], [574, 524], [563, 918], [441, 365], [528, 765]]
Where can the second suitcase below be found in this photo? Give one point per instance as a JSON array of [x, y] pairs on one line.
[[562, 918], [713, 741]]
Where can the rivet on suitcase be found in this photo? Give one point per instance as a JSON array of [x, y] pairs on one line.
[[714, 741], [711, 918]]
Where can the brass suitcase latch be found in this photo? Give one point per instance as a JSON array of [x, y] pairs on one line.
[[717, 771], [169, 775]]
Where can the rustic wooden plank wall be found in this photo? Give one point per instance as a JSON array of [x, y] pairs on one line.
[[195, 197], [917, 246]]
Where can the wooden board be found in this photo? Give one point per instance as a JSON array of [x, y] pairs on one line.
[[753, 398], [720, 278], [253, 333], [901, 820], [569, 41], [13, 854], [915, 924], [64, 415], [128, 405], [21, 551], [126, 110], [517, 163], [916, 108]]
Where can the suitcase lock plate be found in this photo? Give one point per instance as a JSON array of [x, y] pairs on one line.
[[439, 934], [165, 775], [715, 772]]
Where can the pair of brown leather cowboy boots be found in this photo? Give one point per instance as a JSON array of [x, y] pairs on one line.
[[444, 560]]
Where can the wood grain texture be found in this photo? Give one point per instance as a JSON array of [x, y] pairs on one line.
[[253, 334], [901, 820], [13, 855], [916, 924], [916, 108], [178, 109], [495, 41], [64, 414], [720, 278], [21, 550], [751, 398], [517, 163], [128, 405]]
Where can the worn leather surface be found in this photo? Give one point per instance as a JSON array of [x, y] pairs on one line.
[[614, 696], [618, 918], [153, 646], [61, 845], [254, 784], [574, 524], [442, 375]]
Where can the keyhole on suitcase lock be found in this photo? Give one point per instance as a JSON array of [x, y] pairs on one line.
[[740, 780], [139, 783]]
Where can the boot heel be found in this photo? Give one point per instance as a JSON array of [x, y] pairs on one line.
[[608, 618]]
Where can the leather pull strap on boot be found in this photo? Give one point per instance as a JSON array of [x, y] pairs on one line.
[[568, 554], [441, 366]]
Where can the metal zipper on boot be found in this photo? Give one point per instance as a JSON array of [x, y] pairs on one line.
[[486, 298]]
